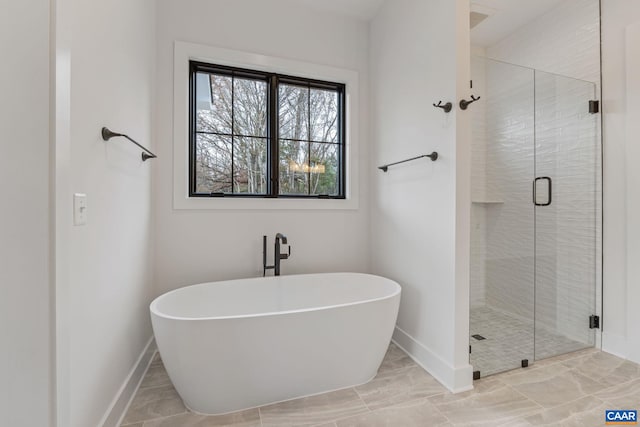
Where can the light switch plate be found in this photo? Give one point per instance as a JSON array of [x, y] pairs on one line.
[[80, 209]]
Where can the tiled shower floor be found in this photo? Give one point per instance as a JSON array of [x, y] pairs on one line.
[[569, 390], [509, 340]]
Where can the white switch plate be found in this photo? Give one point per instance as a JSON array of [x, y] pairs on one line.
[[80, 209]]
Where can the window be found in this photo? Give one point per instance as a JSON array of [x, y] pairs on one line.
[[257, 134]]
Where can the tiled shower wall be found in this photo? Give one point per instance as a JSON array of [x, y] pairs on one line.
[[563, 41], [478, 188], [510, 240]]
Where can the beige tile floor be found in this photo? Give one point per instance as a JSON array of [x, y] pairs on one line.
[[568, 390]]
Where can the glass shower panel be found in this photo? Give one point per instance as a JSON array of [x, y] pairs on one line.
[[503, 238], [565, 198]]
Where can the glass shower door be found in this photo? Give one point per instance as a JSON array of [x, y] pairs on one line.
[[565, 198], [502, 239]]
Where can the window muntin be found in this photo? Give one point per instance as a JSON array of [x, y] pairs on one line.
[[256, 134]]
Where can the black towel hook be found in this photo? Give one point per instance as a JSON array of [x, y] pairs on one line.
[[446, 107], [464, 103]]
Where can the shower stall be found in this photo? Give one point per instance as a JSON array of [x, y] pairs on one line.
[[536, 198]]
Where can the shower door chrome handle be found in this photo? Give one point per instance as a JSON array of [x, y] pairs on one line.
[[535, 190]]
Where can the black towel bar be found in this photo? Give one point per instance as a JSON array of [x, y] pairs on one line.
[[433, 156], [107, 135]]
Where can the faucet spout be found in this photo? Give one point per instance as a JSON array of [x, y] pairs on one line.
[[277, 255]]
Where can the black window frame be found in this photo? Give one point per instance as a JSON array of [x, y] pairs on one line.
[[273, 81]]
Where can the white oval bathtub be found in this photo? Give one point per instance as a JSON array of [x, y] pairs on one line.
[[239, 344]]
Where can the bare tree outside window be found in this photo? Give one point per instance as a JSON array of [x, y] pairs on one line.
[[231, 141], [308, 139]]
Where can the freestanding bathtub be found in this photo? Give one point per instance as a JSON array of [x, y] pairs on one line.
[[239, 344]]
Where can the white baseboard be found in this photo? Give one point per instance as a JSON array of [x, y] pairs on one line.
[[614, 344], [123, 398], [456, 380]]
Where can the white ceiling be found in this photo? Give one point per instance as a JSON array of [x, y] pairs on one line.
[[505, 16], [361, 9]]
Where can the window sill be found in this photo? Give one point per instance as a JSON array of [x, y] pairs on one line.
[[221, 203]]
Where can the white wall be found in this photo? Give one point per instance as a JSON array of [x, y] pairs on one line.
[[195, 246], [620, 237], [633, 178], [110, 258], [26, 397], [420, 210]]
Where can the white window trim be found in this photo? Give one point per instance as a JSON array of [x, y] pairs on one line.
[[183, 53]]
